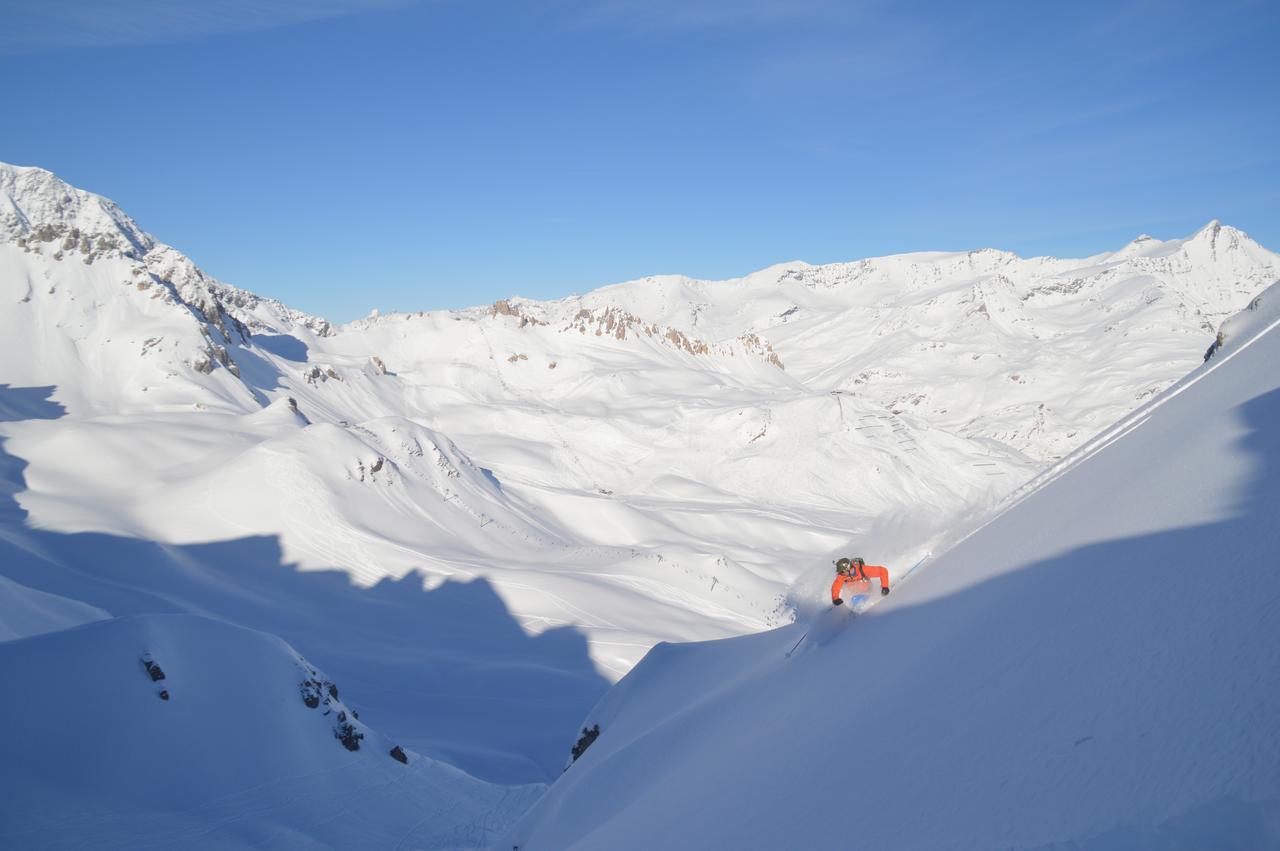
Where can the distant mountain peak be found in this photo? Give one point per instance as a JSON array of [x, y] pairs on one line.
[[36, 203], [1215, 238], [41, 213]]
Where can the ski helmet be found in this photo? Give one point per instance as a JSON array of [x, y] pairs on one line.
[[842, 566]]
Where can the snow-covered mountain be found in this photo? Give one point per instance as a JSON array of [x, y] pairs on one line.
[[476, 520], [1097, 667]]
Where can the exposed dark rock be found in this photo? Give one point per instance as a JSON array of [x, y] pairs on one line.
[[164, 694], [345, 732], [316, 692], [311, 691], [585, 740], [153, 669], [502, 307], [398, 754]]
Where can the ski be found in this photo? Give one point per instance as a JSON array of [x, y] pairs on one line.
[[910, 569], [797, 644]]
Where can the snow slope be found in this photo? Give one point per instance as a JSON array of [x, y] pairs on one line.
[[25, 611], [1095, 668], [232, 757]]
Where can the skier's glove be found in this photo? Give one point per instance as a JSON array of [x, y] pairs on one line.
[[838, 601], [884, 591]]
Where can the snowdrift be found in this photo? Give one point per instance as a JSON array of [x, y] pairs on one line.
[[175, 730], [1096, 668]]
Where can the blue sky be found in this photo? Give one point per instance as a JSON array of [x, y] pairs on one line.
[[343, 155]]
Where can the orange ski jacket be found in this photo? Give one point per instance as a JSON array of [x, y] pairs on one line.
[[860, 575]]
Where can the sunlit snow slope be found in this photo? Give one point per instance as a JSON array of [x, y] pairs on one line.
[[1096, 668]]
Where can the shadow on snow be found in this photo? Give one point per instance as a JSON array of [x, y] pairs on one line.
[[1118, 661], [447, 672]]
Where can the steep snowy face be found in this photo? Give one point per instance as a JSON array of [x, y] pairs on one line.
[[99, 308], [1096, 667]]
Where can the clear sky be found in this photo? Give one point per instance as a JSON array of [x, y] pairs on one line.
[[343, 155]]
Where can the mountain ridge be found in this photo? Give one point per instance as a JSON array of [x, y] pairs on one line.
[[36, 197]]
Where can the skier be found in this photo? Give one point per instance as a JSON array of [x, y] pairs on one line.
[[860, 574]]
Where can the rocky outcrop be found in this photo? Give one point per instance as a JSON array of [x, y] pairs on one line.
[[621, 325], [68, 241], [246, 306], [153, 670], [346, 732], [585, 740], [155, 673], [319, 373], [317, 692], [503, 307], [755, 345], [611, 321]]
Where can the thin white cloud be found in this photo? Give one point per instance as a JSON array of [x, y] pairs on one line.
[[35, 26]]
